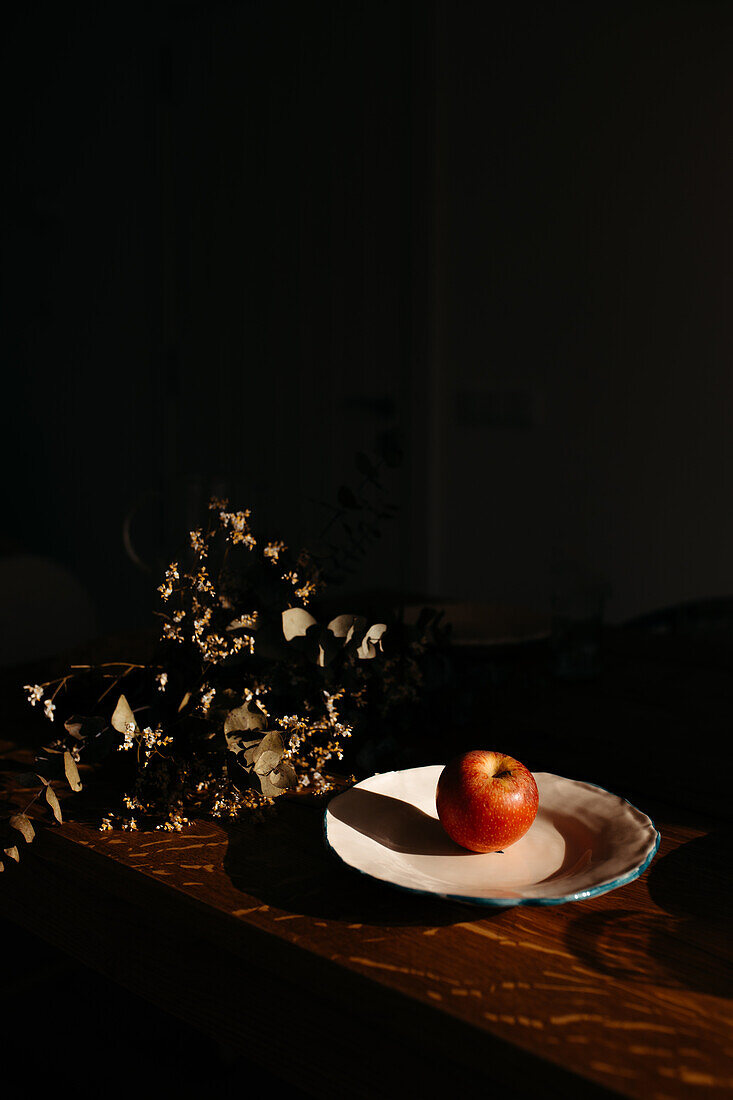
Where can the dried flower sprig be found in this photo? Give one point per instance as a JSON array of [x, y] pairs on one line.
[[250, 696]]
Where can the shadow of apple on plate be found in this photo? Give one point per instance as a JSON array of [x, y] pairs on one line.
[[395, 824]]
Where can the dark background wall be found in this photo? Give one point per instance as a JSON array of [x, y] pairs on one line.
[[242, 241], [585, 170], [214, 236]]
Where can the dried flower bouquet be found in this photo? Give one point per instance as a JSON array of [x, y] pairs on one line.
[[250, 696]]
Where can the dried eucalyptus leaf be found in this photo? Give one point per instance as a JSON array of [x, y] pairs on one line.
[[269, 789], [276, 783], [356, 631], [12, 853], [372, 641], [243, 623], [246, 717], [73, 726], [296, 621], [284, 776], [343, 625], [271, 742], [53, 803], [267, 762], [24, 826], [242, 778], [123, 715], [250, 754], [72, 772], [184, 701], [237, 744], [84, 728]]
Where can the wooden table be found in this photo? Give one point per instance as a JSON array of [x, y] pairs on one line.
[[258, 936]]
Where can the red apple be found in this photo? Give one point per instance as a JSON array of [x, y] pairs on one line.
[[486, 800]]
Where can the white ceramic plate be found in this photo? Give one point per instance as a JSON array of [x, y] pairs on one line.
[[584, 841]]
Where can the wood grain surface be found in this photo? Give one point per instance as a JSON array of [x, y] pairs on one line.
[[257, 936], [256, 932]]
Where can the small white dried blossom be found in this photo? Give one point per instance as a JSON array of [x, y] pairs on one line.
[[198, 542], [257, 692], [206, 699], [35, 693], [172, 574], [172, 633], [200, 624], [273, 550], [214, 648], [154, 739], [162, 680], [238, 525], [305, 591], [129, 741], [175, 824], [247, 621], [203, 582], [48, 709], [228, 806]]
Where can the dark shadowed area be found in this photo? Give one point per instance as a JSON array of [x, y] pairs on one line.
[[243, 241], [247, 243]]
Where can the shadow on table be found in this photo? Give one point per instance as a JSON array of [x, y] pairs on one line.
[[119, 1037], [315, 882], [685, 946]]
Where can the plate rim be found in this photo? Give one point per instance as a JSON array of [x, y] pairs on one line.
[[505, 903]]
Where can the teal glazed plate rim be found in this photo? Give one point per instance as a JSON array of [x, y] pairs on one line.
[[584, 842]]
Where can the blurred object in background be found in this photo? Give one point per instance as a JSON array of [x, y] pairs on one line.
[[156, 529], [486, 624], [578, 603], [703, 619], [44, 609]]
